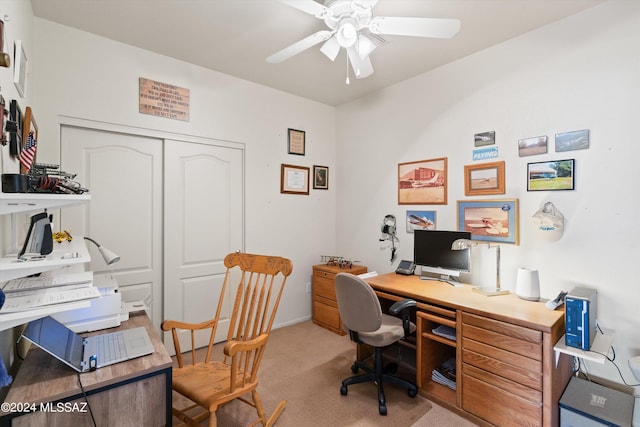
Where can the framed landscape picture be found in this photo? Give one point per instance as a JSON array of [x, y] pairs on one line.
[[485, 178], [490, 220], [421, 220], [423, 182], [550, 176]]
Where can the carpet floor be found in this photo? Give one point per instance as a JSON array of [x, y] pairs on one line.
[[305, 364]]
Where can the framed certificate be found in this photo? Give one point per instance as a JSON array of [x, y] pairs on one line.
[[294, 179], [296, 141]]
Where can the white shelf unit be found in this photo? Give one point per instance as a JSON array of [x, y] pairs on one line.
[[25, 202], [11, 268], [598, 353]]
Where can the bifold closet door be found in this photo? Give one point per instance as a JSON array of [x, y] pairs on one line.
[[204, 221], [124, 175]]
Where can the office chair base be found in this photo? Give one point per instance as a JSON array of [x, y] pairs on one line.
[[379, 375]]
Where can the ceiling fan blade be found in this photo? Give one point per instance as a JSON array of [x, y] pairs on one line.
[[417, 27], [361, 66], [309, 6], [331, 48], [300, 46]]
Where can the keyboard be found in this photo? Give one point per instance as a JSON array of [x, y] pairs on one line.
[[110, 348]]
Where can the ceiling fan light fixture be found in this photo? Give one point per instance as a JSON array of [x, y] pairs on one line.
[[347, 33], [365, 46]]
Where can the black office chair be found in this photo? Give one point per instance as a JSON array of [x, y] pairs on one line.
[[362, 317]]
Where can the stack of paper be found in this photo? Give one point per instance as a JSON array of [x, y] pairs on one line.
[[445, 374], [445, 331], [32, 292]]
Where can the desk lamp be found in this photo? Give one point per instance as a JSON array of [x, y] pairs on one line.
[[461, 244], [109, 257]]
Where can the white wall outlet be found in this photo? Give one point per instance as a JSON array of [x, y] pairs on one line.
[[308, 288]]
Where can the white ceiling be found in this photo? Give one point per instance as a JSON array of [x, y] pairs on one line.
[[235, 36]]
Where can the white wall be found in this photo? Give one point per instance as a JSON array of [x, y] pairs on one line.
[[80, 75], [579, 73]]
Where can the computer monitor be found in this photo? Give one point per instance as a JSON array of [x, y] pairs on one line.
[[432, 251]]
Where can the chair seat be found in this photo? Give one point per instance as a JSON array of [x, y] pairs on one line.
[[205, 383], [389, 332]]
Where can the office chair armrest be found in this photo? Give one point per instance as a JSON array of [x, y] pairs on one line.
[[403, 307]]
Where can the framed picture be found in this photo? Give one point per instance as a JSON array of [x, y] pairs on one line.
[[490, 220], [423, 182], [532, 146], [484, 138], [29, 141], [20, 68], [485, 178], [296, 140], [421, 220], [550, 176], [294, 179], [15, 138], [320, 177], [569, 141]]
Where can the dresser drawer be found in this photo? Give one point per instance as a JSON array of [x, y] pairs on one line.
[[326, 315], [515, 368], [513, 338], [499, 406], [324, 287]]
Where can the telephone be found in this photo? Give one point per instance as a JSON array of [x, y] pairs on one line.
[[406, 267]]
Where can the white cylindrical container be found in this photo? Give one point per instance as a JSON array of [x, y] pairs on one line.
[[528, 284]]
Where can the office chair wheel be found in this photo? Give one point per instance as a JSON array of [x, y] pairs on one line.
[[343, 390], [382, 409], [412, 392], [354, 368]]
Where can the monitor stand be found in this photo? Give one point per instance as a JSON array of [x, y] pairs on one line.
[[447, 278]]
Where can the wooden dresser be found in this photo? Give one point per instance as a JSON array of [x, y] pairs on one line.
[[325, 306]]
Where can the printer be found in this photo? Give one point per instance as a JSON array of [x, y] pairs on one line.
[[108, 311]]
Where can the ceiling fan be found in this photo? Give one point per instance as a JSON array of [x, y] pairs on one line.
[[353, 27]]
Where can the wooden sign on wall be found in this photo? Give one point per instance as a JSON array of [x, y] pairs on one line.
[[164, 100]]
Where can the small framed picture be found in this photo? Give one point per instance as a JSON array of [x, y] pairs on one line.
[[490, 220], [484, 138], [320, 177], [421, 220], [550, 176], [532, 146], [20, 68], [575, 140], [485, 178], [296, 141], [294, 179]]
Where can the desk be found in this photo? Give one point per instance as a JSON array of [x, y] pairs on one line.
[[135, 392], [505, 367]]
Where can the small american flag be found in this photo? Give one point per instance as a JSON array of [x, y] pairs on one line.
[[28, 152]]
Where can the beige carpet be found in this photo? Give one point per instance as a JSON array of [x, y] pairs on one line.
[[305, 364]]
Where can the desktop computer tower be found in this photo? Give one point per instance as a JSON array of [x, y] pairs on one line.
[[580, 317]]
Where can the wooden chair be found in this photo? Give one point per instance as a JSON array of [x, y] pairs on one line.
[[211, 384]]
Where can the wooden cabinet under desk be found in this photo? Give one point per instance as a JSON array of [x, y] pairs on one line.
[[325, 306], [506, 373]]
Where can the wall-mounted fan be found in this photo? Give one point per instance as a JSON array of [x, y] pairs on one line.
[[352, 26]]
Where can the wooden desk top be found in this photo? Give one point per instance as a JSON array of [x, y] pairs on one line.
[[507, 308], [42, 378]]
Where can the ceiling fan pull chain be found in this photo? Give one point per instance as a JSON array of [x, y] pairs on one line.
[[347, 68]]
